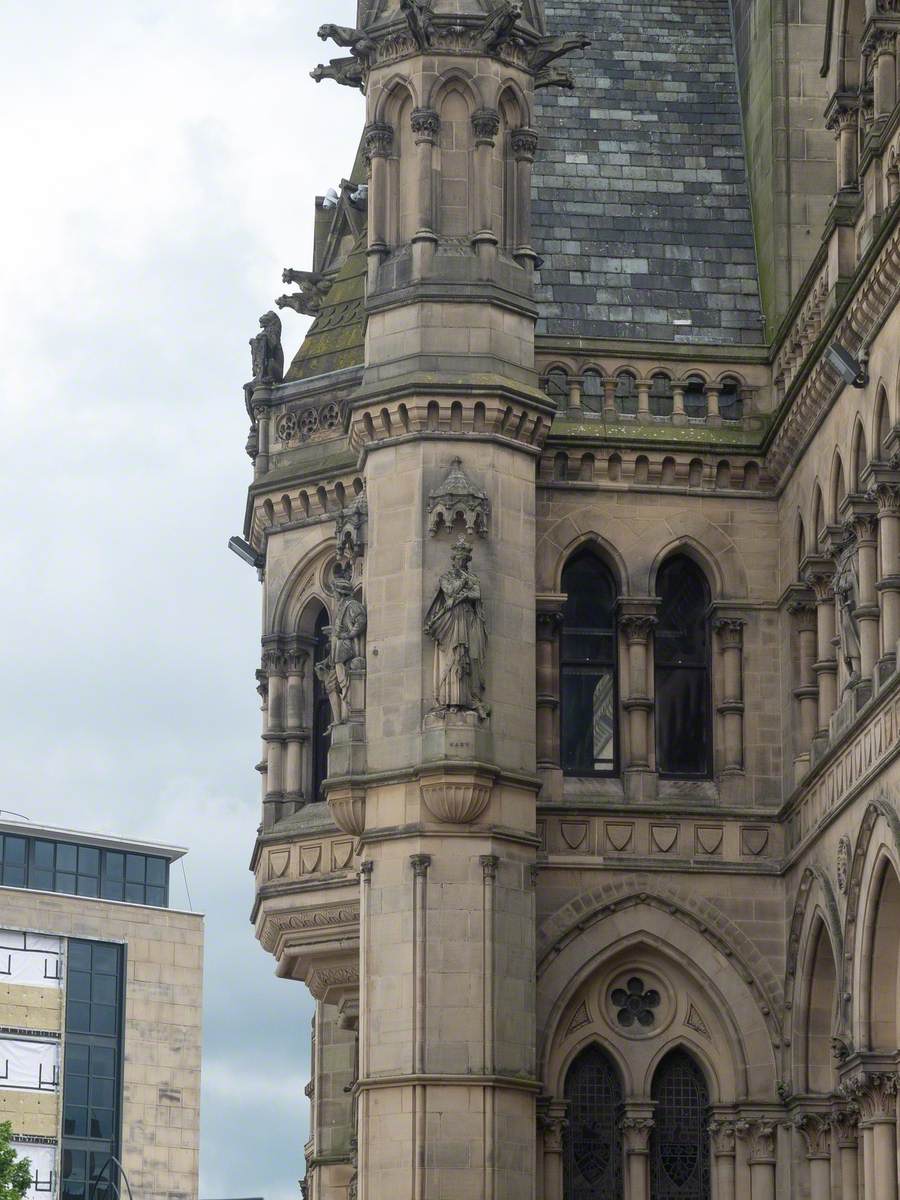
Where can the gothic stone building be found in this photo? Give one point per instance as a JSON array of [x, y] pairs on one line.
[[578, 520]]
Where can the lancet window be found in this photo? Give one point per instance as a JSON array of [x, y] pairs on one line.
[[593, 1145], [683, 725], [679, 1143], [588, 667]]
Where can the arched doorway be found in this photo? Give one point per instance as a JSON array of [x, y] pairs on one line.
[[679, 1143], [593, 1144]]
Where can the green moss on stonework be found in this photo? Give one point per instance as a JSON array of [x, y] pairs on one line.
[[634, 433], [335, 340]]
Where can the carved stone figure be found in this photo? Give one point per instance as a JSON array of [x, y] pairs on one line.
[[314, 287], [346, 650], [843, 863], [550, 48], [356, 41], [349, 528], [347, 71], [419, 18], [500, 24], [266, 352], [846, 592], [455, 620]]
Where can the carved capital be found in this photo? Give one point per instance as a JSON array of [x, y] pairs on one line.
[[820, 578], [842, 117], [886, 496], [875, 1096], [524, 144], [816, 1130], [420, 864], [730, 631], [489, 865], [722, 1135], [845, 1123], [759, 1133], [425, 124], [486, 126], [636, 627], [861, 527], [636, 1131], [553, 1129], [378, 139]]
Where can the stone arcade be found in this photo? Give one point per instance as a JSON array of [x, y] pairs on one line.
[[581, 709]]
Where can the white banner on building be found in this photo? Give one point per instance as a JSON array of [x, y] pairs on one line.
[[31, 959], [29, 1065], [43, 1169]]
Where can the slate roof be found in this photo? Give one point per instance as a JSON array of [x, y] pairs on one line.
[[641, 209]]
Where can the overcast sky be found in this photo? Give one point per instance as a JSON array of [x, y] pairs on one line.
[[160, 162]]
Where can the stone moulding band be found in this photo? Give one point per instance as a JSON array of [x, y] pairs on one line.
[[503, 1081]]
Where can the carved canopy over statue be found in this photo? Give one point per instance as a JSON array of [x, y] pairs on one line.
[[455, 620], [346, 650], [846, 591], [265, 350]]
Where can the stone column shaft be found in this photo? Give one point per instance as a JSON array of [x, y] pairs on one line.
[[722, 1139], [885, 74], [731, 708], [523, 143], [638, 704], [888, 587], [637, 1126], [548, 624], [867, 614], [485, 125], [760, 1134], [825, 667]]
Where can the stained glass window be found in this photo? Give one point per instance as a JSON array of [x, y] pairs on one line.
[[679, 1143], [588, 667], [681, 655], [593, 1143]]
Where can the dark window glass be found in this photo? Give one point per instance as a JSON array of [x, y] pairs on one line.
[[592, 392], [156, 872], [91, 1075], [41, 879], [156, 895], [557, 387], [731, 407], [14, 851], [695, 397], [66, 857], [88, 860], [321, 734], [593, 1142], [134, 893], [88, 886], [661, 395], [43, 856], [588, 668], [681, 655], [65, 883], [134, 868], [626, 393], [115, 865], [679, 1142]]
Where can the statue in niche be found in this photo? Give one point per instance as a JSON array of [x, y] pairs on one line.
[[455, 620], [846, 592], [266, 352], [346, 652]]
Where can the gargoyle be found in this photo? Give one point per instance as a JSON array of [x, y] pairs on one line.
[[356, 40], [348, 71], [554, 77], [419, 17], [314, 287], [500, 24], [550, 48]]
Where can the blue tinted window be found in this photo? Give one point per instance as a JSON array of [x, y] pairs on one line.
[[50, 866]]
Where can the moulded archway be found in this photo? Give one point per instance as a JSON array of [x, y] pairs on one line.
[[819, 1012], [881, 959]]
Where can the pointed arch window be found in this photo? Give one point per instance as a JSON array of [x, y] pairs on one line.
[[683, 725], [321, 714], [679, 1143], [593, 1142], [588, 668]]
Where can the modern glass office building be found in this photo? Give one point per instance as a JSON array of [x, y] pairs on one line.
[[100, 991]]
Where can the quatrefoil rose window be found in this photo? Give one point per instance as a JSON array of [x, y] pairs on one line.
[[635, 1003]]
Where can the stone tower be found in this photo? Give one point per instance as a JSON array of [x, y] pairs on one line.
[[431, 765]]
